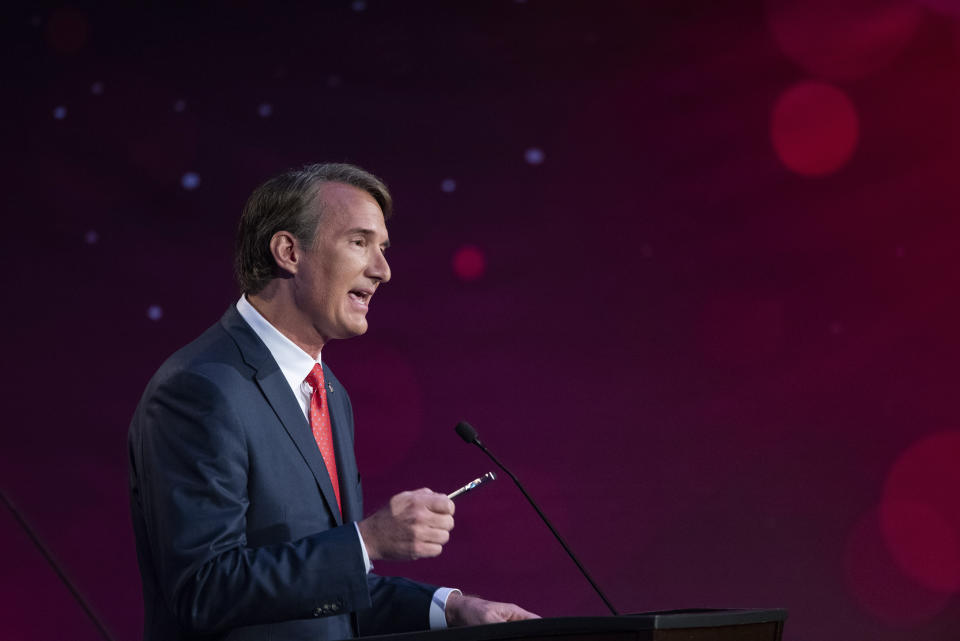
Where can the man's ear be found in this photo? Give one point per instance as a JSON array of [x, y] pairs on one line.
[[286, 251]]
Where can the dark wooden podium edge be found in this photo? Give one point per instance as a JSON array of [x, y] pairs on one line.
[[579, 626]]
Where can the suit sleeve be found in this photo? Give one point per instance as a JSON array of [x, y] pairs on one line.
[[398, 605], [191, 469]]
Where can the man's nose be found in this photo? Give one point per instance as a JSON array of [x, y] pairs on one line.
[[378, 267]]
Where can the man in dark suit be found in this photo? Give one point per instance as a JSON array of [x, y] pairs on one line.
[[245, 493]]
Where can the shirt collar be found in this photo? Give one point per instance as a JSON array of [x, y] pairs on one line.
[[294, 363]]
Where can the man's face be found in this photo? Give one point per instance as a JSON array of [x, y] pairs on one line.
[[340, 272]]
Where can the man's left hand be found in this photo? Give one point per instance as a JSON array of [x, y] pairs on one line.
[[470, 610]]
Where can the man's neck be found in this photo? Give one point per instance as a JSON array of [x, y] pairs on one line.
[[270, 304]]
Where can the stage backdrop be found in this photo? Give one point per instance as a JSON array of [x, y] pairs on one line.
[[691, 269]]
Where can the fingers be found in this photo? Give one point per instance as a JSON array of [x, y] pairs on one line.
[[413, 525], [470, 610], [424, 509], [424, 550], [431, 519], [430, 534], [435, 502], [438, 521], [511, 612]]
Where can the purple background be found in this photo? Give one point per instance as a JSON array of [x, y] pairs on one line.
[[730, 381]]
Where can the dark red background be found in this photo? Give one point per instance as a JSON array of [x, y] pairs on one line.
[[714, 330]]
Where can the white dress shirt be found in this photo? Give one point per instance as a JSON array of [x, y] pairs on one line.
[[295, 364]]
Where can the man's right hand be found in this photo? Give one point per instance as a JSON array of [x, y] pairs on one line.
[[413, 525]]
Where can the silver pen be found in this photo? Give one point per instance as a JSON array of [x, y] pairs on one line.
[[472, 485]]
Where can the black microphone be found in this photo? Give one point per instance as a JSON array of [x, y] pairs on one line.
[[468, 434]]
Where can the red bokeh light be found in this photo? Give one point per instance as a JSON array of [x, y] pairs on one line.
[[923, 544], [842, 39], [814, 128], [469, 263], [877, 583], [921, 512]]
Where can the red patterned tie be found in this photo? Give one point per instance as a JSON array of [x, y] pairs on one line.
[[320, 424]]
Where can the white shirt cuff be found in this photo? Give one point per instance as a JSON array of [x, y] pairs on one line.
[[366, 557], [438, 604], [438, 607]]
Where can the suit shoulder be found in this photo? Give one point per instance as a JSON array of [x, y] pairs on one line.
[[215, 345], [214, 356]]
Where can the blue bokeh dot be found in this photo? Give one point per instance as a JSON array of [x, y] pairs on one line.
[[190, 181], [534, 155]]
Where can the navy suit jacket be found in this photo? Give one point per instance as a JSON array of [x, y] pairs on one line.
[[237, 528]]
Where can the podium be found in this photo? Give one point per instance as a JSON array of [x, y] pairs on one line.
[[672, 625]]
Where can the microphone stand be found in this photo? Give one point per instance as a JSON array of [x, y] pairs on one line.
[[467, 433], [56, 568]]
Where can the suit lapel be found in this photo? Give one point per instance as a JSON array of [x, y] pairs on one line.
[[277, 392], [274, 386], [341, 423]]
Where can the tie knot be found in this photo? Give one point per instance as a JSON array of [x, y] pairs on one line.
[[315, 378]]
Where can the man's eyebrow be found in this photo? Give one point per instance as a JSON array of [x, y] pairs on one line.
[[367, 232]]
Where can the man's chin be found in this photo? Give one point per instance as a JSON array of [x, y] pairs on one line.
[[356, 329], [341, 331]]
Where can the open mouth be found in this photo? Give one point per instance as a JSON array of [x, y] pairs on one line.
[[362, 296]]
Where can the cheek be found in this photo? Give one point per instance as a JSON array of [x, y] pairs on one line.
[[347, 271], [336, 276]]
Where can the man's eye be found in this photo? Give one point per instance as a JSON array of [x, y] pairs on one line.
[[359, 242]]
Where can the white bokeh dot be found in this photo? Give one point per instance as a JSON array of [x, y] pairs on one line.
[[179, 106], [91, 237], [449, 185], [154, 312], [59, 112], [96, 88], [190, 181], [265, 109], [358, 5], [534, 155]]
